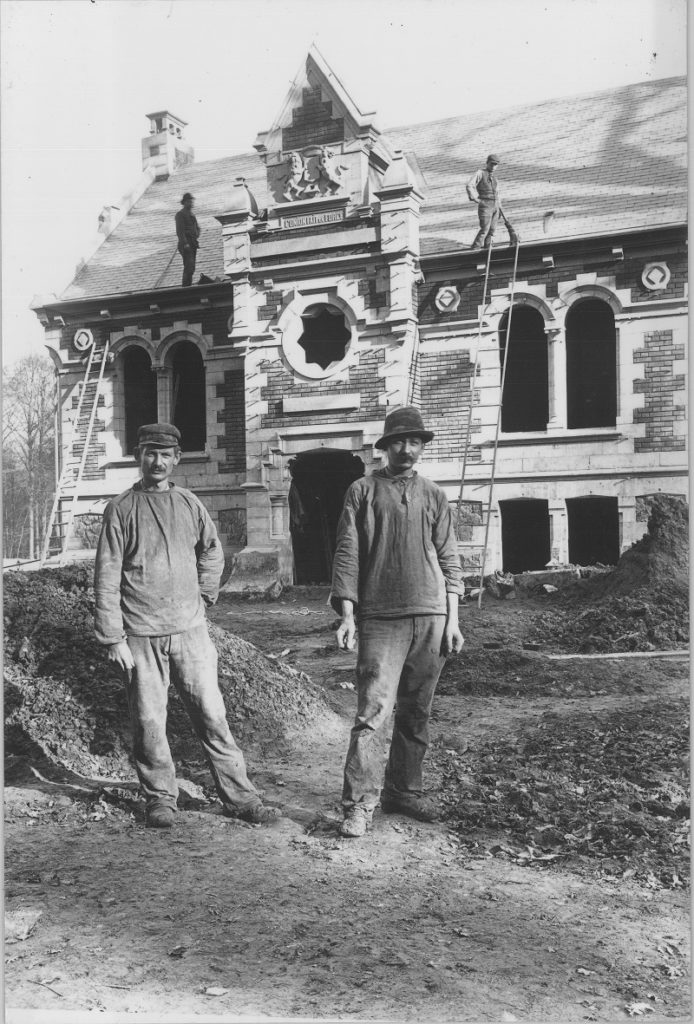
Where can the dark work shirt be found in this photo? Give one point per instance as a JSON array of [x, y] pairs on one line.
[[187, 229], [396, 550]]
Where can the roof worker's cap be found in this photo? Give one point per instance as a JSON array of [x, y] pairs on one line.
[[493, 159], [159, 435], [405, 422], [187, 195]]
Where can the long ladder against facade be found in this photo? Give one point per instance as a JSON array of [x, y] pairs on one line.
[[61, 522], [496, 405]]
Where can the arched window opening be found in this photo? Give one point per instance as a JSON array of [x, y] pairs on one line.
[[526, 387], [325, 335], [591, 365], [140, 385], [593, 530], [525, 536], [188, 397]]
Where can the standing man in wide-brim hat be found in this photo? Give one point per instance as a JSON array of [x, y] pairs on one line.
[[397, 573], [188, 233]]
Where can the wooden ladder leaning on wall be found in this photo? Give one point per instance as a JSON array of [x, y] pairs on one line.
[[497, 405], [61, 521]]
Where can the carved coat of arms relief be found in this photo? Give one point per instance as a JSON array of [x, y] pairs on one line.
[[310, 173]]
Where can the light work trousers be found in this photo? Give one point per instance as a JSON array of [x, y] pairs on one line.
[[189, 660], [488, 212], [398, 665]]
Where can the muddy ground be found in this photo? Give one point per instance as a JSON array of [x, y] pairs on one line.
[[555, 889]]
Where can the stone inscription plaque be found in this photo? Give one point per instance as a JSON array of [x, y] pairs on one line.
[[307, 220]]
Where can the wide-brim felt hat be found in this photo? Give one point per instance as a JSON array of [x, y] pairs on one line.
[[159, 435], [403, 423]]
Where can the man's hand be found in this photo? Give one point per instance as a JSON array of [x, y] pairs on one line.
[[122, 655], [346, 633], [453, 639], [347, 629]]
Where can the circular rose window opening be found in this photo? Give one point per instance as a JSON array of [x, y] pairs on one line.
[[320, 341]]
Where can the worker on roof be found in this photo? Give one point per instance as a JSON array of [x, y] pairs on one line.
[[397, 572], [483, 189], [188, 233], [158, 565]]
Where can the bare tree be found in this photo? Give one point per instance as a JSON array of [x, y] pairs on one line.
[[29, 408]]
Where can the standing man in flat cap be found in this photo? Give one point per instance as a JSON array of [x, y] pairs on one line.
[[188, 233], [483, 189], [158, 564], [397, 573]]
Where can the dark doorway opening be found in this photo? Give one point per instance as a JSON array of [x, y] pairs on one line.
[[140, 386], [525, 539], [188, 400], [526, 385], [319, 481], [593, 530], [591, 365]]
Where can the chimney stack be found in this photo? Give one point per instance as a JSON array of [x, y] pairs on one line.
[[165, 149]]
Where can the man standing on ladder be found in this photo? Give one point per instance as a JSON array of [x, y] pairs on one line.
[[188, 233], [483, 189]]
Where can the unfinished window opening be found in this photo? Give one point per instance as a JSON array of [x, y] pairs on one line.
[[525, 538], [526, 388], [593, 530], [188, 397], [325, 336], [319, 480], [591, 365], [140, 386]]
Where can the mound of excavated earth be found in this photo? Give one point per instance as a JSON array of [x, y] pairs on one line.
[[643, 605], [64, 701]]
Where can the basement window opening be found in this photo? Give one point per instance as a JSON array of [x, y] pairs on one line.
[[593, 530], [591, 365], [525, 534], [526, 386], [325, 336], [188, 397], [140, 386]]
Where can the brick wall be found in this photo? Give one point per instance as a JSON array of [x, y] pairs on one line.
[[627, 275], [233, 416], [312, 123], [213, 322], [658, 386], [362, 378], [445, 379]]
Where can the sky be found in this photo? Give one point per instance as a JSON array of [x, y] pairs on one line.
[[77, 78]]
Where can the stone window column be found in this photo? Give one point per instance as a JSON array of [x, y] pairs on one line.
[[164, 392], [556, 354], [559, 533]]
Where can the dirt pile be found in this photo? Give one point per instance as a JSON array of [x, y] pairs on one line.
[[66, 702], [643, 605]]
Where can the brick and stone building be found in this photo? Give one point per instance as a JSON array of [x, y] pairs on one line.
[[335, 279]]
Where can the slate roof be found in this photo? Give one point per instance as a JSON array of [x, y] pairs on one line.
[[603, 162]]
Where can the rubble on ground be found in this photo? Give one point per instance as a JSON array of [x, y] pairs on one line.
[[642, 605], [66, 702], [583, 790]]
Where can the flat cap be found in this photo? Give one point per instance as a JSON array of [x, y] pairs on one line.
[[493, 158], [160, 435]]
